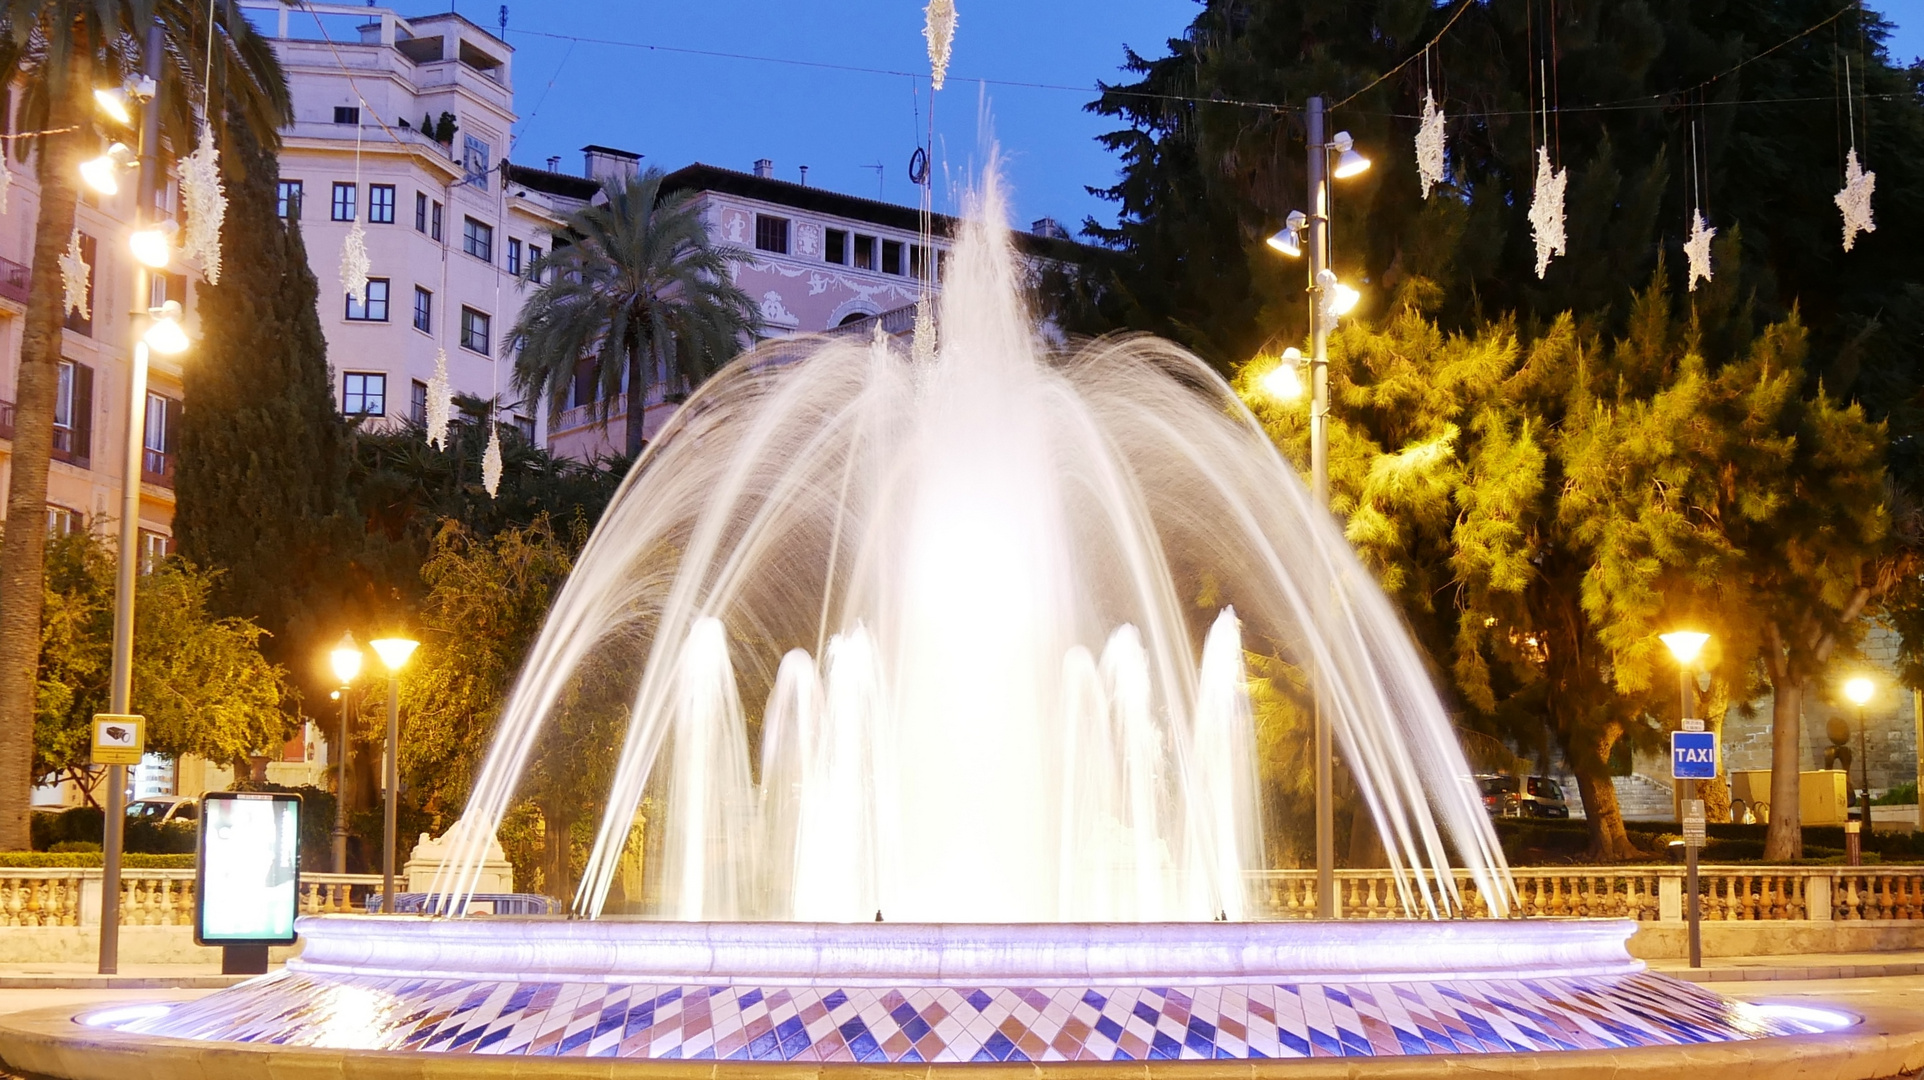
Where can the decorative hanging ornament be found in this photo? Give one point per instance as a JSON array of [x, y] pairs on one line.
[[1429, 146], [354, 264], [206, 204], [940, 30], [440, 402], [491, 460], [73, 278], [1855, 199], [6, 182], [1546, 211], [1697, 249]]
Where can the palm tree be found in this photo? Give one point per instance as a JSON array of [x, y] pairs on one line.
[[59, 51], [635, 289]]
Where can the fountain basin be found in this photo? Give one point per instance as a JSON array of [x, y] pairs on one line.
[[908, 994]]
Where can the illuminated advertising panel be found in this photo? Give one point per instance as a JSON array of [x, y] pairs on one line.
[[249, 878]]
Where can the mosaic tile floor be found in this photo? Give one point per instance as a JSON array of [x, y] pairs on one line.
[[942, 1024]]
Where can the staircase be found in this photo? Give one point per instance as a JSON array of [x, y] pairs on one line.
[[1642, 798]]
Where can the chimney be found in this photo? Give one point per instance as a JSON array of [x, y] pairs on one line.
[[804, 176], [765, 168], [1050, 228], [605, 162], [554, 163]]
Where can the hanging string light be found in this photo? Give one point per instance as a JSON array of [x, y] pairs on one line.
[[440, 401], [73, 278]]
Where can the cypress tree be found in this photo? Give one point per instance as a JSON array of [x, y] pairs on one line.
[[262, 481]]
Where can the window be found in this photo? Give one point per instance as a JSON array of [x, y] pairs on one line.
[[891, 256], [418, 402], [477, 239], [157, 443], [474, 330], [287, 200], [375, 310], [514, 256], [434, 222], [864, 252], [835, 246], [163, 286], [525, 425], [363, 393], [61, 521], [380, 204], [534, 264], [420, 211], [347, 114], [771, 234], [73, 407], [474, 161], [153, 548], [423, 310], [73, 321], [343, 201]]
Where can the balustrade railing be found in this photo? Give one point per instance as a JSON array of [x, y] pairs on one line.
[[71, 896]]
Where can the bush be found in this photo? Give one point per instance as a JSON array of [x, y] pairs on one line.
[[90, 859], [86, 825], [1901, 795]]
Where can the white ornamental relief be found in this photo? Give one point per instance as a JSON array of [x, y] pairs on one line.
[[808, 239], [817, 284], [736, 223], [775, 313]]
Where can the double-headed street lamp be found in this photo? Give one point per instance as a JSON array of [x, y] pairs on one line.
[[1860, 690], [1329, 300], [394, 653], [346, 661]]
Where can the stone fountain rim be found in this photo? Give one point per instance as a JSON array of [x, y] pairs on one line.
[[772, 954]]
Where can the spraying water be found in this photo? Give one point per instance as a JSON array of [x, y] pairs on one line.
[[963, 639]]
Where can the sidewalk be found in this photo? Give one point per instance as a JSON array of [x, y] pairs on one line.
[[1800, 967], [130, 977]]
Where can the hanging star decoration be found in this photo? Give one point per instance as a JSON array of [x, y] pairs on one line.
[[73, 278], [1429, 146], [205, 203], [1697, 249], [491, 460], [440, 402], [354, 264], [940, 30], [1855, 199], [1546, 211]]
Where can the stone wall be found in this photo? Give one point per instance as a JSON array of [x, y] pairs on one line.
[[1889, 720]]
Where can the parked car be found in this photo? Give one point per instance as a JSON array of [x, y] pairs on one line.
[[1522, 796], [164, 809]]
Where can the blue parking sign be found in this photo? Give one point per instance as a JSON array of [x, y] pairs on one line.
[[1693, 755]]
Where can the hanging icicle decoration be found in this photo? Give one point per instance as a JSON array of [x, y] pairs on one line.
[[1855, 199], [440, 402], [206, 204], [1546, 211], [1429, 146], [1697, 249], [73, 278], [491, 460], [354, 264], [939, 28]]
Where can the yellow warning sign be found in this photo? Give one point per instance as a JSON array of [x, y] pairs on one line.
[[119, 739]]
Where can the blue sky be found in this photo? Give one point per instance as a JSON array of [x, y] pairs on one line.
[[675, 108]]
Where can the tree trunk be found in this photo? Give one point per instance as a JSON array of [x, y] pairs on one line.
[[1785, 840], [557, 831], [23, 548], [637, 402], [1590, 760]]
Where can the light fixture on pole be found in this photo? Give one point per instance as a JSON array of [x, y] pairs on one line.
[[346, 661], [1285, 381], [1349, 162], [164, 333], [113, 101], [103, 173], [394, 653], [154, 245], [1686, 646], [1289, 239], [1860, 690]]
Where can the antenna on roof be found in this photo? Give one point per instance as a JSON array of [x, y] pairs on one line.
[[878, 167], [504, 22]]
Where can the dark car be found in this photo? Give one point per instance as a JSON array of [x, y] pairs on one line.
[[1522, 796]]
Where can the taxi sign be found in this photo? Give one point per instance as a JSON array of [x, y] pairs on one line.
[[119, 738], [1693, 755]]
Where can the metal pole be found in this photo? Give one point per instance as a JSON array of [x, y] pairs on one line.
[[1864, 769], [340, 794], [1686, 684], [121, 686], [1917, 744], [392, 778], [1319, 482]]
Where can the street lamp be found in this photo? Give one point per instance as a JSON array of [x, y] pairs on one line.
[[1686, 645], [1329, 299], [346, 661], [1285, 381], [154, 245], [164, 334], [103, 173], [1860, 690], [394, 652]]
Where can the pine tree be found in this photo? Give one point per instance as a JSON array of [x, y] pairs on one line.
[[262, 481]]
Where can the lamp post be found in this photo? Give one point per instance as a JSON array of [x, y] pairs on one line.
[[394, 653], [1329, 299], [346, 661], [1685, 645], [1860, 691]]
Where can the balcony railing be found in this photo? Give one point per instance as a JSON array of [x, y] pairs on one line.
[[15, 280], [6, 420], [157, 467]]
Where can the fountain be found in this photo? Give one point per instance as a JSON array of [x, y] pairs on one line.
[[939, 747]]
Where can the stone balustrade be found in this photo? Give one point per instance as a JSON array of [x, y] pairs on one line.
[[1652, 893], [71, 896]]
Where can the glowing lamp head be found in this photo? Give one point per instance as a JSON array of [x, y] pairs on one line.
[[1685, 645], [1859, 690], [1289, 240], [1343, 299], [154, 245], [113, 102], [394, 651], [1284, 381], [1348, 161], [346, 659], [103, 173], [165, 335]]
